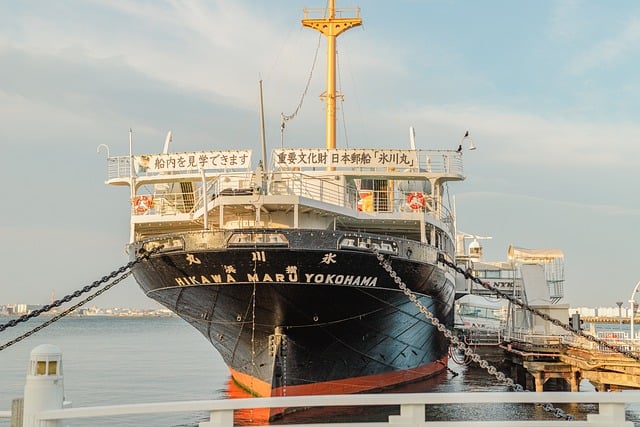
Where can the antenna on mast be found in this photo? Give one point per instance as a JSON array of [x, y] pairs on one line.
[[263, 139]]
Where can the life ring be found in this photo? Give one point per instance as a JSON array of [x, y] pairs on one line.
[[141, 204], [415, 200], [611, 337]]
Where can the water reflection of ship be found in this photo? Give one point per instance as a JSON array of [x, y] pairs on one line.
[[246, 417], [341, 414]]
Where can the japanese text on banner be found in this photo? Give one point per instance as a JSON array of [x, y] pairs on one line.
[[356, 158], [175, 162]]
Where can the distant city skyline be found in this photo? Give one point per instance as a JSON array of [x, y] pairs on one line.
[[21, 309]]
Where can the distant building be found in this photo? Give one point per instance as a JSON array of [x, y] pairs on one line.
[[608, 312], [16, 309]]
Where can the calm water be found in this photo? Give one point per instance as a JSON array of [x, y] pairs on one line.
[[136, 360]]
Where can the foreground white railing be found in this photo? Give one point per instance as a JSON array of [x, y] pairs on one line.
[[412, 408], [44, 404]]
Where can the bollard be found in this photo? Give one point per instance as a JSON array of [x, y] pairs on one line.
[[44, 389]]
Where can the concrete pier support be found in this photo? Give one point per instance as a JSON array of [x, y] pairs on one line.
[[539, 381], [574, 380], [541, 372]]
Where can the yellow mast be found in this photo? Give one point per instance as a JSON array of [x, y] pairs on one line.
[[331, 27]]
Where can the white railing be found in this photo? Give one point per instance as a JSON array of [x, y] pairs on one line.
[[324, 189], [535, 339], [412, 408], [439, 162], [442, 161], [118, 167], [618, 339], [317, 13]]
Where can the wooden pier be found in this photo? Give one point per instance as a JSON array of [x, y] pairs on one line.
[[534, 360]]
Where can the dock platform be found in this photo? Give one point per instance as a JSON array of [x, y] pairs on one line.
[[536, 359]]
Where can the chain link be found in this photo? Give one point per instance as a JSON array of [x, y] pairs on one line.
[[117, 276], [64, 313], [539, 313], [67, 298], [456, 342]]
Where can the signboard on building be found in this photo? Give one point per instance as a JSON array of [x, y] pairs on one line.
[[504, 285]]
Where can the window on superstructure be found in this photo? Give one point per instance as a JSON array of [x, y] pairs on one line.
[[492, 274]]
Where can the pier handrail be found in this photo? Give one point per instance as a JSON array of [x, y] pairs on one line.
[[412, 407]]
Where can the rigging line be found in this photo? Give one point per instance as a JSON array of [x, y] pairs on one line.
[[286, 117], [344, 122], [253, 335], [253, 330], [282, 47], [301, 311], [253, 324], [240, 319], [332, 322]]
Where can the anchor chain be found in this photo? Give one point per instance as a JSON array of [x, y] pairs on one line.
[[123, 272], [64, 313], [537, 312], [457, 343], [67, 298]]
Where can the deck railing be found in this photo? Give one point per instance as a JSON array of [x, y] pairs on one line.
[[438, 162], [611, 408], [324, 189]]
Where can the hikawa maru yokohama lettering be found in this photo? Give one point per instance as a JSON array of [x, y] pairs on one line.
[[289, 276]]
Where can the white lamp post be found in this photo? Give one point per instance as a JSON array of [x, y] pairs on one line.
[[632, 300], [619, 304]]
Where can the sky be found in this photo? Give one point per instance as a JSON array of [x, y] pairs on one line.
[[548, 90]]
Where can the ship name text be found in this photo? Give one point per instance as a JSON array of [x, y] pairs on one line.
[[291, 276]]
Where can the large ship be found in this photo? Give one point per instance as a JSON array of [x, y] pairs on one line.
[[274, 261]]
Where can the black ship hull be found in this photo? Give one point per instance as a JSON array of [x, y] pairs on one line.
[[302, 313]]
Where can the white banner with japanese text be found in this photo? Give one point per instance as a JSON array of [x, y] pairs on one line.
[[345, 158], [176, 162]]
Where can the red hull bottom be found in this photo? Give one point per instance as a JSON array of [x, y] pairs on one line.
[[247, 385]]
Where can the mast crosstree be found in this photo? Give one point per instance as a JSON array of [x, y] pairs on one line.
[[331, 27]]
